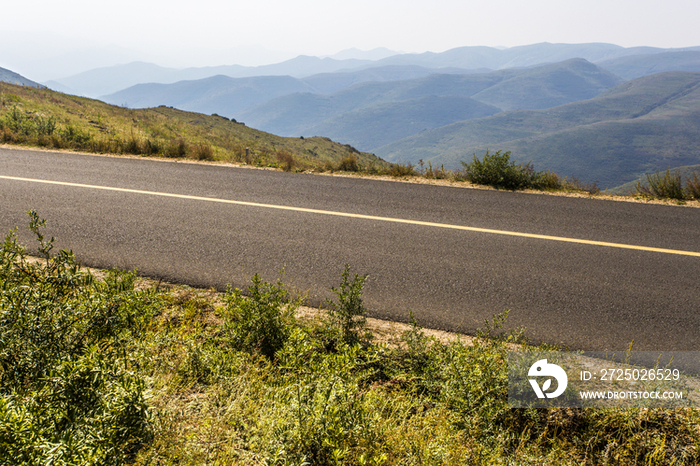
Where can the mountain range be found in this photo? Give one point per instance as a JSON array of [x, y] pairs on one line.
[[640, 126], [357, 115]]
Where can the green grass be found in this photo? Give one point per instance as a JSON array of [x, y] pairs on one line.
[[114, 371]]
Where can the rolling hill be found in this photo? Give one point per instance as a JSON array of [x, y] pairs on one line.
[[541, 87], [361, 128], [637, 127]]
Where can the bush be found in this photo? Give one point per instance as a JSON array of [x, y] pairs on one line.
[[666, 186], [499, 171], [348, 315], [348, 164], [68, 393], [693, 186], [286, 160], [203, 152], [400, 169], [176, 149], [260, 323]]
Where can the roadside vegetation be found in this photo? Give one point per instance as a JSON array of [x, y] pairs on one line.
[[111, 370], [670, 186]]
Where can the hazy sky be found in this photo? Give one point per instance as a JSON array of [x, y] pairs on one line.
[[171, 31]]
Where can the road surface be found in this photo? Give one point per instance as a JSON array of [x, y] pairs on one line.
[[582, 273]]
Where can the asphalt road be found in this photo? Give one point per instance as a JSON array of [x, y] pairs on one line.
[[579, 295]]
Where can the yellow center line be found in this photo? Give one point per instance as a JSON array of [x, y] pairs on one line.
[[361, 216]]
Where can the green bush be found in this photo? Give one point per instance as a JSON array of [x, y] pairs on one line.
[[261, 322], [348, 314], [499, 171], [693, 186], [68, 391], [666, 186]]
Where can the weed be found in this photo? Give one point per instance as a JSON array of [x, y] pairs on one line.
[[348, 315], [68, 394]]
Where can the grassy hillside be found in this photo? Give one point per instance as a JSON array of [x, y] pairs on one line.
[[46, 118], [635, 128]]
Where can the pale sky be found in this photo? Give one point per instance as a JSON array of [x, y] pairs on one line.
[[190, 33]]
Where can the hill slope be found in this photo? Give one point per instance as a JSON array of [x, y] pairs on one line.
[[7, 76], [54, 120], [637, 127]]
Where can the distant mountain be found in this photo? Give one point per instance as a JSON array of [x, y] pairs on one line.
[[7, 76], [637, 66], [548, 86], [523, 56], [542, 87], [104, 81], [357, 54], [637, 127], [219, 94]]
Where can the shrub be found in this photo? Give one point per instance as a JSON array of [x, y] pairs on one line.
[[348, 315], [545, 180], [693, 186], [260, 323], [401, 169], [176, 149], [499, 171], [203, 152], [68, 394], [348, 164], [666, 186], [286, 159]]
